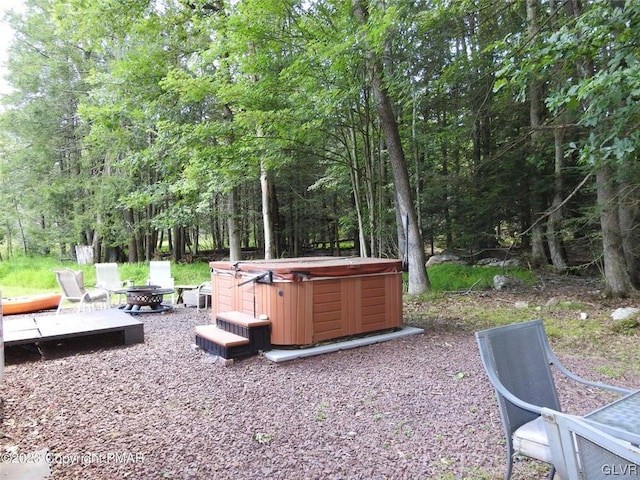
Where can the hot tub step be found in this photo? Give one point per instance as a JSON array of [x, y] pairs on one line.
[[243, 319], [258, 331], [222, 343]]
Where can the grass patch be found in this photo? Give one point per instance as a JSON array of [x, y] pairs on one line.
[[613, 345], [609, 371], [452, 277]]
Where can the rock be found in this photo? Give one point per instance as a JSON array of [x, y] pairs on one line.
[[502, 282], [444, 258], [522, 304], [623, 313], [487, 261], [583, 316], [496, 262], [552, 302]]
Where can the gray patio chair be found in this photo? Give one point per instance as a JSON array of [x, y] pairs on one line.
[[71, 283], [518, 359], [582, 452]]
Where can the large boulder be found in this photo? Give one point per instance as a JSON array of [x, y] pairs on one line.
[[505, 282], [496, 262], [624, 313], [444, 258]]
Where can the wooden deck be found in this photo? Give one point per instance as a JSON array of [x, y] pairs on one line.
[[36, 329]]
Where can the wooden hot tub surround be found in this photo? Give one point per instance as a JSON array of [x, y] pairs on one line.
[[310, 300]]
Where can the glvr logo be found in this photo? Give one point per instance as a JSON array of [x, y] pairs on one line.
[[615, 469]]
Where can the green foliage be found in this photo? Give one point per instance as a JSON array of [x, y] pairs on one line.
[[627, 326], [454, 277], [600, 45], [609, 371]]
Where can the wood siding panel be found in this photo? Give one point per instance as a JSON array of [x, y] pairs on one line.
[[248, 299], [291, 307], [327, 309], [393, 293], [373, 303], [222, 294]]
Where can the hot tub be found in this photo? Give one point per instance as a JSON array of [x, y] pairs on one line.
[[310, 300]]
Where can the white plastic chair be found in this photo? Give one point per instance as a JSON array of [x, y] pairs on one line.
[[108, 278], [160, 275]]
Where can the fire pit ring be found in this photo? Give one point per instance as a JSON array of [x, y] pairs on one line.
[[146, 296]]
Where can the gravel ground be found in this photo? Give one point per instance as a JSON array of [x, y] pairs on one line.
[[414, 408]]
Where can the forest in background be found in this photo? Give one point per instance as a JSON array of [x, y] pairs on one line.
[[147, 127]]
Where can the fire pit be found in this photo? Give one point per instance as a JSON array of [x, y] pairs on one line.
[[146, 296]]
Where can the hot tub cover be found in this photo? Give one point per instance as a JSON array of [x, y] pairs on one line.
[[304, 268]]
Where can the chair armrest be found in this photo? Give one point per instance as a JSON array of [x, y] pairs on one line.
[[567, 373]]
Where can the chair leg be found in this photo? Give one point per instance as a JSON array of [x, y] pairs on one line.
[[60, 305], [507, 474]]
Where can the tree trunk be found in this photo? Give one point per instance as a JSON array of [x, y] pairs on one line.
[[267, 214], [132, 251], [629, 216], [418, 279], [23, 237], [235, 245], [178, 249], [618, 282], [355, 184], [355, 176], [555, 217], [538, 253]]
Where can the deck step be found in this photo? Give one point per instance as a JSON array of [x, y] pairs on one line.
[[257, 330], [221, 337], [242, 319], [224, 344]]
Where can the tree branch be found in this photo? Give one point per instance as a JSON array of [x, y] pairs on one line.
[[559, 206]]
